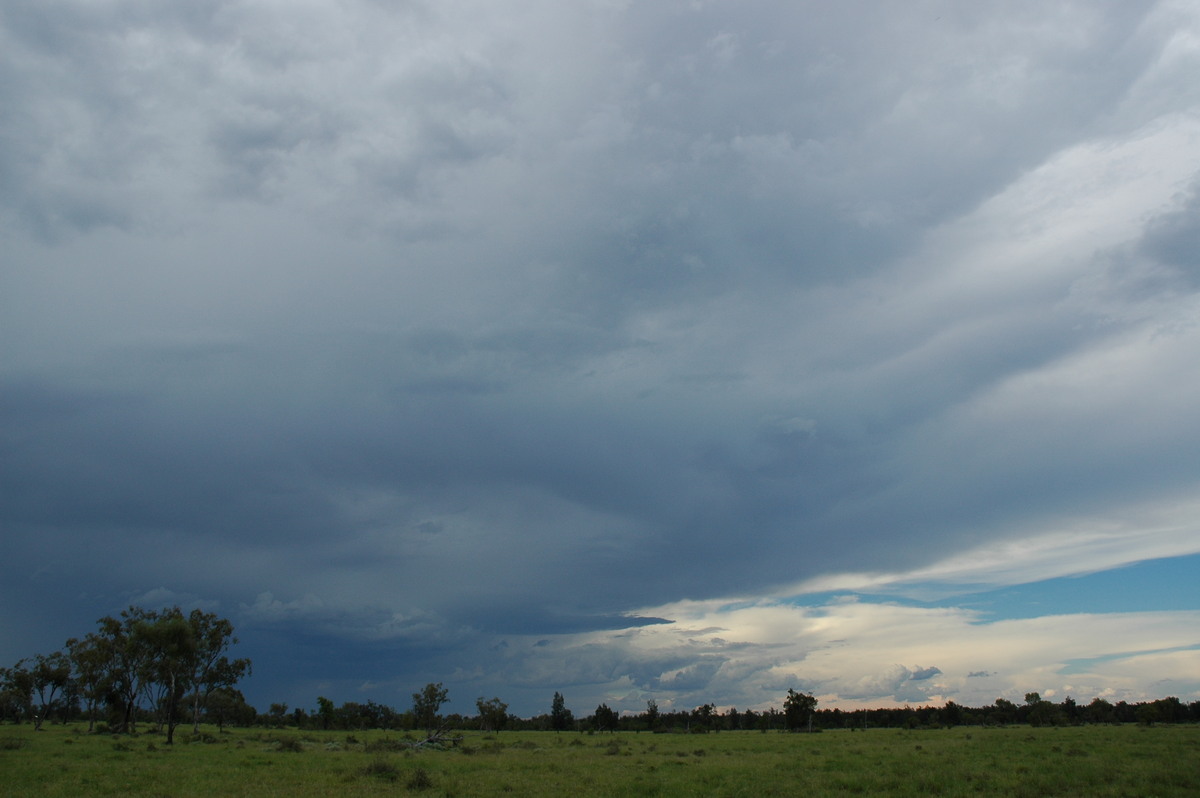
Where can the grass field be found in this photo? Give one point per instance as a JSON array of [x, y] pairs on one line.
[[1093, 761]]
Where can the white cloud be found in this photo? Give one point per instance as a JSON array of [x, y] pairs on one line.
[[865, 654]]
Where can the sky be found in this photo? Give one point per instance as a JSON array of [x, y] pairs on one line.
[[688, 351]]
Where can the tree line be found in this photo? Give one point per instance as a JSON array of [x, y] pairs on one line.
[[160, 666], [798, 713], [145, 665]]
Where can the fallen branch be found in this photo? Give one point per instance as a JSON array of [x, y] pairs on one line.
[[439, 739]]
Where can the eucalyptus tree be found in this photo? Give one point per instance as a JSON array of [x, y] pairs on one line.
[[90, 670], [130, 661], [427, 702], [173, 651], [165, 655], [493, 714], [208, 667], [16, 690], [48, 676]]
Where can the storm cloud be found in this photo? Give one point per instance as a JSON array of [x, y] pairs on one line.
[[465, 342]]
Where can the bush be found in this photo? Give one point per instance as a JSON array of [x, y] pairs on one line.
[[202, 737], [13, 743], [382, 769], [290, 744], [419, 780]]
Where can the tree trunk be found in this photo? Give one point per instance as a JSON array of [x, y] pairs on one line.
[[172, 700], [127, 725], [196, 711]]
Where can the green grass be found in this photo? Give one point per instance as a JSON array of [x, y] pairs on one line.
[[1019, 761]]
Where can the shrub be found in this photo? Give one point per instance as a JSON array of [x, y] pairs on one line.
[[202, 737], [290, 744], [13, 743], [419, 780], [382, 769]]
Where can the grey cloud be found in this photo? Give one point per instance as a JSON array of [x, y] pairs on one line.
[[693, 678], [896, 683], [1174, 239]]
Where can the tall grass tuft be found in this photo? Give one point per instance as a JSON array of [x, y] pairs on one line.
[[419, 780], [382, 769], [289, 744]]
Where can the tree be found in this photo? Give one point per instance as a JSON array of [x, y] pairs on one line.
[[227, 705], [90, 671], [1005, 711], [1148, 714], [161, 654], [325, 711], [493, 715], [1070, 711], [605, 718], [798, 709], [560, 717], [172, 648], [276, 714], [1171, 710], [129, 658], [703, 716], [1040, 713], [426, 704], [952, 714], [209, 668], [49, 675], [1099, 711], [651, 714], [16, 685]]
